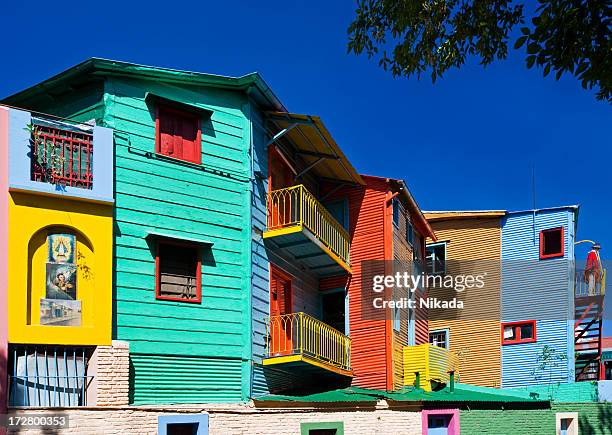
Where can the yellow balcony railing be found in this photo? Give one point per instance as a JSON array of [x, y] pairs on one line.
[[296, 207], [428, 363], [299, 334], [585, 288]]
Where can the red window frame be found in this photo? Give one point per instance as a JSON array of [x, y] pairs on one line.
[[160, 108], [517, 332], [198, 248], [555, 255]]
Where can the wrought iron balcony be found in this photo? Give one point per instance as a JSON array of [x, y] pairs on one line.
[[299, 223], [298, 339], [61, 156], [426, 365]]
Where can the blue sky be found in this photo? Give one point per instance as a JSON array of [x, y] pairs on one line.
[[467, 142]]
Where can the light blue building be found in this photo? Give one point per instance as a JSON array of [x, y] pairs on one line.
[[537, 296]]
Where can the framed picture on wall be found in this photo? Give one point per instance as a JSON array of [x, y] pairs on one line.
[[60, 312], [61, 248], [61, 281]]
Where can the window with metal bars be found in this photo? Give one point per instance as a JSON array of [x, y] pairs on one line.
[[61, 156], [48, 376], [178, 271]]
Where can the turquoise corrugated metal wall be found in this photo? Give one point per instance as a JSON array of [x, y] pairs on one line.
[[161, 195], [165, 379], [537, 289]]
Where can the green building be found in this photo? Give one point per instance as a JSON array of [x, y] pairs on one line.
[[182, 234]]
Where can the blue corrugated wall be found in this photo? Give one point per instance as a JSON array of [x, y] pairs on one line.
[[538, 289]]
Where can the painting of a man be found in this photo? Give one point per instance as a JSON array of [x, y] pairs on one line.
[[61, 281]]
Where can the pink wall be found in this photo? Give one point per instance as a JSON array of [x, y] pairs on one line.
[[4, 120]]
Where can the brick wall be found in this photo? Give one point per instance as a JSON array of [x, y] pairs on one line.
[[237, 420], [593, 419], [110, 368]]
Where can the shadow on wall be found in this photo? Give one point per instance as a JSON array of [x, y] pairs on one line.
[[600, 425]]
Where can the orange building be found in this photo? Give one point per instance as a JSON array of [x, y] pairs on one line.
[[387, 230]]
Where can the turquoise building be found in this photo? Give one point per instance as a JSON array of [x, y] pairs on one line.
[[183, 223]]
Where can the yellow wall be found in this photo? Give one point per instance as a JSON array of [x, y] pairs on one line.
[[30, 218], [474, 247]]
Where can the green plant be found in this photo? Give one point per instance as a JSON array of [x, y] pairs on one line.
[[47, 158], [548, 359]]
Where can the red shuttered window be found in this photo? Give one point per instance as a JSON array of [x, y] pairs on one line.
[[178, 135]]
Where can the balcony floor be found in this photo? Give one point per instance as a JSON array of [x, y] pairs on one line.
[[301, 363], [308, 250]]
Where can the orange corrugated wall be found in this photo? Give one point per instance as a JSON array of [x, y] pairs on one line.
[[366, 227]]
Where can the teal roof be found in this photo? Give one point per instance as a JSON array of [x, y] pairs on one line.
[[461, 394], [96, 67]]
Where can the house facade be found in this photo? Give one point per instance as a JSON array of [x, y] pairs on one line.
[[537, 299], [469, 242], [182, 221], [57, 216], [534, 314]]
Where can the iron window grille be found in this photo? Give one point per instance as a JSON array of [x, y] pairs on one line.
[[48, 376]]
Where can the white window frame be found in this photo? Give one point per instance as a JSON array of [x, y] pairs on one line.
[[433, 245], [446, 331]]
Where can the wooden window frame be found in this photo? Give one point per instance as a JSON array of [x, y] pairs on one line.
[[555, 255], [517, 325], [198, 248], [186, 114]]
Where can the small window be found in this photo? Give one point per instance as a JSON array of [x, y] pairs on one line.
[[186, 424], [440, 421], [436, 258], [567, 423], [396, 318], [519, 332], [178, 272], [326, 428], [439, 338], [396, 212], [409, 232], [178, 135], [552, 243]]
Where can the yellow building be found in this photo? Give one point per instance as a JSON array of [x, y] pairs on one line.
[[469, 243], [57, 213]]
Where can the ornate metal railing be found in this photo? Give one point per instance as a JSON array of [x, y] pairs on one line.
[[61, 156], [296, 206], [302, 334]]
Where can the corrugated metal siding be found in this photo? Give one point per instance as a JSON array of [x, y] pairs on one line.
[[474, 247], [368, 353], [154, 194], [402, 256], [537, 289], [260, 261], [168, 379]]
